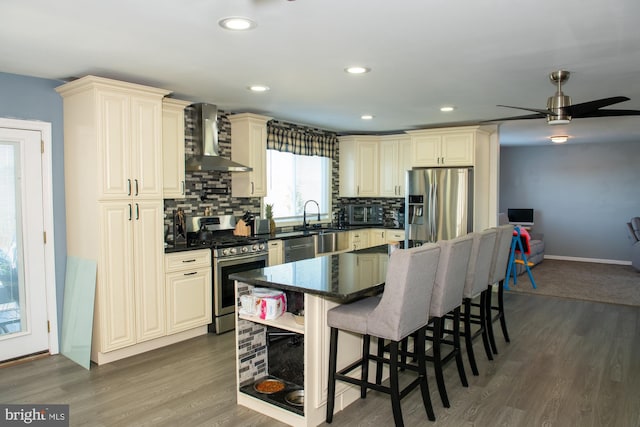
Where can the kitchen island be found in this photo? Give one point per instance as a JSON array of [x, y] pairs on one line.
[[314, 285]]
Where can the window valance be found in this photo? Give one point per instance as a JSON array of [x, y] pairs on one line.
[[300, 140]]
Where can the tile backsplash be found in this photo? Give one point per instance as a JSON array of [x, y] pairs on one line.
[[209, 189], [212, 190]]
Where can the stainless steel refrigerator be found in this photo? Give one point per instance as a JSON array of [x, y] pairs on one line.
[[438, 204]]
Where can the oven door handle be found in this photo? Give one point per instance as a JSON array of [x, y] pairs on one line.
[[242, 257]]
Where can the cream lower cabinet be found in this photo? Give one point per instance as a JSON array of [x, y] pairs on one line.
[[276, 254], [173, 143], [130, 291], [359, 239], [394, 236], [188, 290], [383, 236]]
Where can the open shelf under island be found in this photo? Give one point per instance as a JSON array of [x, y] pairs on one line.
[[295, 353]]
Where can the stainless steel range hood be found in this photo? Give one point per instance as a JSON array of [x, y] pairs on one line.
[[205, 117]]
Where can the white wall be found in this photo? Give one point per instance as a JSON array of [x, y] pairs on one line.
[[583, 195]]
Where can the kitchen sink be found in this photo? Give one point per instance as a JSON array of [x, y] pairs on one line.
[[328, 241]]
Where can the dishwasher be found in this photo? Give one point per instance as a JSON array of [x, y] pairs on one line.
[[299, 248]]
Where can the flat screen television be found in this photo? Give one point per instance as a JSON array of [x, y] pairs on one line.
[[520, 216]]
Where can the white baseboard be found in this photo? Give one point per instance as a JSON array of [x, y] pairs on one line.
[[595, 260]]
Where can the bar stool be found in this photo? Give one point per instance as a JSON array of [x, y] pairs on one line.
[[497, 274], [476, 284], [447, 298], [399, 313]]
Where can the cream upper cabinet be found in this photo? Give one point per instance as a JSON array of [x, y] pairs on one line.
[[188, 290], [359, 166], [173, 181], [395, 160], [129, 132], [443, 147], [249, 147]]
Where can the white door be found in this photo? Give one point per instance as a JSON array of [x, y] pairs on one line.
[[23, 303]]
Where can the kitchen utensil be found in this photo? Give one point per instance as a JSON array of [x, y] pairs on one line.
[[268, 386], [295, 397]]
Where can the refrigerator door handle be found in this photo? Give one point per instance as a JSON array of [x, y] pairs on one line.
[[434, 212]]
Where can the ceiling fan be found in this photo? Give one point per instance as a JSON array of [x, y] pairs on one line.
[[560, 110]]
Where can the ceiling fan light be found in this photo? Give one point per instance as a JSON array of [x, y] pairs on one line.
[[559, 139]]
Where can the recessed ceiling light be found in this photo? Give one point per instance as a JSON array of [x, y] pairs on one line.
[[357, 70], [559, 139], [258, 88], [366, 117], [237, 23], [447, 108]]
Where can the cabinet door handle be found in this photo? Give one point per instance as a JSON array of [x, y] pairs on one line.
[[130, 212], [357, 189], [136, 181], [189, 260], [137, 212], [191, 274], [182, 187], [252, 188], [128, 187]]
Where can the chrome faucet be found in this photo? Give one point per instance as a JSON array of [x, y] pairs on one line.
[[304, 213]]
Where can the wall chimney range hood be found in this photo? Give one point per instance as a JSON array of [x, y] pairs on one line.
[[205, 117]]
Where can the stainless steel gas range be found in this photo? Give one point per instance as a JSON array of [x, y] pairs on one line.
[[230, 254]]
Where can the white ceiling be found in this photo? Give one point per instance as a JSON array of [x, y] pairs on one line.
[[423, 54]]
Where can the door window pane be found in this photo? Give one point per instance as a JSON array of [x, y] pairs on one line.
[[11, 292]]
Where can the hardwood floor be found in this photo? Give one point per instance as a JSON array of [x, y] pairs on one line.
[[569, 363]]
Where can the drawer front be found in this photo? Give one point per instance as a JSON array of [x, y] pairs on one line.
[[395, 236], [188, 260]]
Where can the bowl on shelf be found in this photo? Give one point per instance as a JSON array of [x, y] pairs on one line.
[[295, 398]]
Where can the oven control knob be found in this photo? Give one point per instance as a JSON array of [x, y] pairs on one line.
[[245, 249], [254, 248], [225, 252], [261, 247], [233, 250]]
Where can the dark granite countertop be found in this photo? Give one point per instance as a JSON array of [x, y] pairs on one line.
[[344, 276]]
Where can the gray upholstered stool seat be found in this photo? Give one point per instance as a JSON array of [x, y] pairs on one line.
[[476, 284], [497, 274], [400, 312]]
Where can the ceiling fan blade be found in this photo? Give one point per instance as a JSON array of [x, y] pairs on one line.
[[609, 113], [527, 116], [536, 110], [580, 110]]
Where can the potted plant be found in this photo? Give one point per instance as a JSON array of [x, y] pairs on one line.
[[268, 211]]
